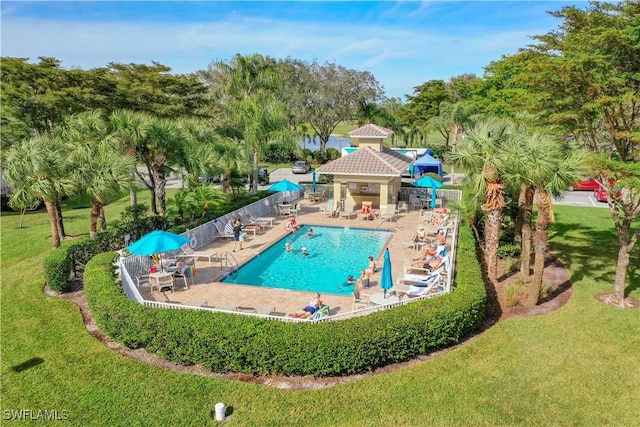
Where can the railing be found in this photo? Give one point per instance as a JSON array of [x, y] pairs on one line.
[[134, 265], [447, 195]]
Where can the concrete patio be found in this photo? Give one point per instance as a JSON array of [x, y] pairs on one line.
[[205, 289]]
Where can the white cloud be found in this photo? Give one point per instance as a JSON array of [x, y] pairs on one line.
[[390, 54]]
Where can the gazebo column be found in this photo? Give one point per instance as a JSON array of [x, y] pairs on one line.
[[384, 196], [337, 193]]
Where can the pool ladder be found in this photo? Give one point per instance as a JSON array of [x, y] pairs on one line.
[[229, 262]]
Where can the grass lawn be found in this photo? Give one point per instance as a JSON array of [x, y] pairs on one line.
[[576, 366]]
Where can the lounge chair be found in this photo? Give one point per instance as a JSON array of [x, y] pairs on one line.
[[402, 207], [443, 266], [262, 220], [258, 309], [223, 230], [332, 212], [190, 253], [348, 210], [390, 213], [358, 301], [419, 284]]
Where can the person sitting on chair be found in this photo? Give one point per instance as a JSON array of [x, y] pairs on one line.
[[441, 237], [292, 226], [429, 260], [419, 235]]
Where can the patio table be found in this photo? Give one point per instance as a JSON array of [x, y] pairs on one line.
[[378, 298]]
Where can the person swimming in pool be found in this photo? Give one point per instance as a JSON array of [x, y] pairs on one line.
[[311, 233], [305, 252], [287, 247]]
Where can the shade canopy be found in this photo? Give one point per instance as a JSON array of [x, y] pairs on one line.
[[386, 279], [314, 185], [156, 242], [429, 182], [427, 164], [285, 185]]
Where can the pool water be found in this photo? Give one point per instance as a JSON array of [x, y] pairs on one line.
[[335, 253]]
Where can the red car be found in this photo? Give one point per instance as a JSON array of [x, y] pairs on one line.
[[586, 183], [600, 194]]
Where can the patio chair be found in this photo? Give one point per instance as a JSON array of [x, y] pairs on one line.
[[223, 230], [402, 207], [443, 266], [190, 253], [262, 220], [330, 211], [348, 210], [258, 309], [142, 280], [390, 213], [420, 284], [164, 283], [359, 302]]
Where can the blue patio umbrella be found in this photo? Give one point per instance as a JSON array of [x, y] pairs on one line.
[[386, 281], [314, 185], [156, 242], [285, 185], [434, 184]]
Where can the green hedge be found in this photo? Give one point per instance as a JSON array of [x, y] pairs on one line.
[[225, 342]]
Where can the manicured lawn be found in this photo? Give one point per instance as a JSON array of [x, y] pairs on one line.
[[576, 366]]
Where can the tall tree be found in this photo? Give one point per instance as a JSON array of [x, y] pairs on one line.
[[582, 77], [622, 181], [545, 166], [483, 156], [100, 166], [155, 90], [245, 89], [130, 129], [39, 167], [332, 94]]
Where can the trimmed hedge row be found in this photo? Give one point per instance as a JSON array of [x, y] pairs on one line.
[[230, 343]]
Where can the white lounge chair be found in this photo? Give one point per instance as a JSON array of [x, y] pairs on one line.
[[190, 253], [331, 211], [444, 265], [390, 213], [348, 210]]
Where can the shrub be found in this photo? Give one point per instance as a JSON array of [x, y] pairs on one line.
[[57, 268], [508, 250], [511, 264], [225, 342], [513, 293], [545, 291]]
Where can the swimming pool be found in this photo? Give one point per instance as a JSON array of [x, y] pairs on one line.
[[334, 254]]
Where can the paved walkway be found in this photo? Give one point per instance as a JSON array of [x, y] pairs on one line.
[[207, 289]]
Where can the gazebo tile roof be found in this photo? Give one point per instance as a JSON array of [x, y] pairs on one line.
[[371, 131], [367, 161]]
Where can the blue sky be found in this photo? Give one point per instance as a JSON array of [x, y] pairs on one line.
[[403, 44]]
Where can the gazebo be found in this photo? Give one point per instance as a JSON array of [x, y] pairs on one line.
[[372, 173]]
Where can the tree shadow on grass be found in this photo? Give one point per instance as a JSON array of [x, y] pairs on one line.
[[595, 256]]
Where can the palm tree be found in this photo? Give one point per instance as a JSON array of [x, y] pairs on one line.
[[246, 90], [542, 165], [160, 148], [39, 167], [101, 167], [482, 155], [130, 129]]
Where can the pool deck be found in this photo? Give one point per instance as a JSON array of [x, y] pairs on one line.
[[207, 290]]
